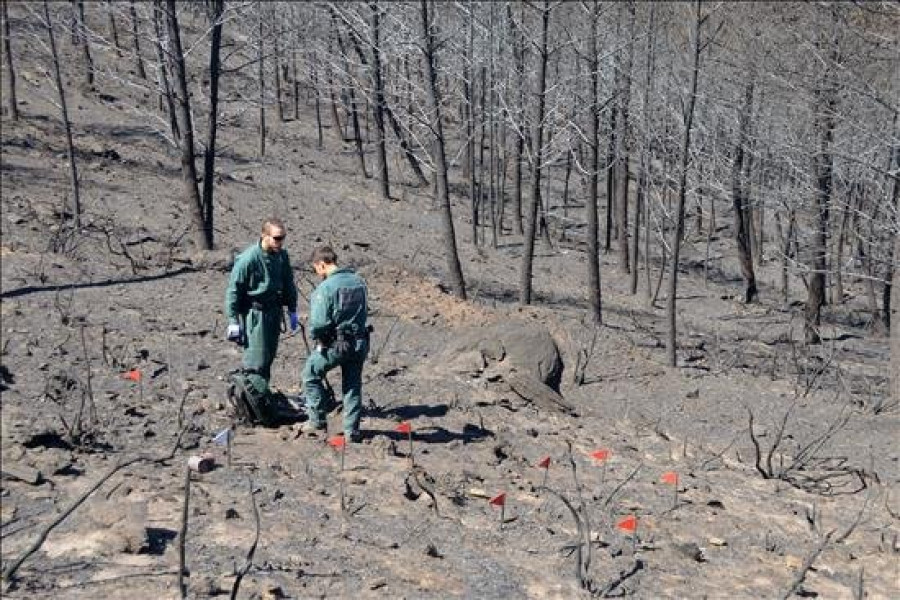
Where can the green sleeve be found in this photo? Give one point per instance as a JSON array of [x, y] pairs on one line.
[[236, 292], [320, 326], [290, 288]]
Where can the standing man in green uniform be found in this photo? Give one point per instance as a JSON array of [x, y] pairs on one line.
[[337, 324], [261, 286]]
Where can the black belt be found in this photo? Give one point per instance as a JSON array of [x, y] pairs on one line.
[[262, 307]]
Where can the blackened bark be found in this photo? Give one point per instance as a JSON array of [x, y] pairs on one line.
[[216, 8], [136, 41], [165, 86], [378, 104], [593, 241], [525, 291], [739, 200], [518, 49], [113, 28], [622, 135], [85, 45], [823, 176], [671, 355], [188, 168], [260, 57], [70, 145], [11, 102], [457, 283]]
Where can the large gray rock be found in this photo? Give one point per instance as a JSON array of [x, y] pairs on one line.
[[524, 355]]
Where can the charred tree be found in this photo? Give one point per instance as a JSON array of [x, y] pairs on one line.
[[378, 104], [621, 139], [823, 169], [136, 41], [162, 73], [216, 8], [593, 239], [85, 44], [429, 33], [739, 198], [11, 102], [261, 82], [113, 28], [188, 167], [642, 184], [64, 112], [671, 354], [537, 151]]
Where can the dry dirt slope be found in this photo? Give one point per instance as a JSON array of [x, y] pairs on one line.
[[473, 437]]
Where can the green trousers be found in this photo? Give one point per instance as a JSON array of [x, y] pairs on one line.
[[318, 364], [261, 331]]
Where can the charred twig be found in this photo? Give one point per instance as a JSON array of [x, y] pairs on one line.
[[622, 484], [580, 573], [89, 392], [623, 576], [583, 509], [377, 354], [583, 357], [251, 551], [807, 565], [182, 534]]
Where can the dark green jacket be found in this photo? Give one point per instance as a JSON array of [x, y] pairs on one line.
[[339, 303], [263, 277]]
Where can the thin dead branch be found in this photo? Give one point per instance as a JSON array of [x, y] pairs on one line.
[[10, 571], [249, 562]]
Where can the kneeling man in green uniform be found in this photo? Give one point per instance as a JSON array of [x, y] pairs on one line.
[[337, 324], [260, 288]]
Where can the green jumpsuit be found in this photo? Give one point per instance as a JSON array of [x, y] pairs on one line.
[[337, 309], [261, 284]]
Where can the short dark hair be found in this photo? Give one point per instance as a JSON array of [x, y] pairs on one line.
[[271, 222], [323, 254]]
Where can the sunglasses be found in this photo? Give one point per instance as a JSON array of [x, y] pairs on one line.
[[278, 238]]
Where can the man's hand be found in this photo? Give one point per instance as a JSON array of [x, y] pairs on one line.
[[233, 333], [294, 320]]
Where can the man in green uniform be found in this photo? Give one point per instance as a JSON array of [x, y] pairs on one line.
[[337, 324], [261, 286]]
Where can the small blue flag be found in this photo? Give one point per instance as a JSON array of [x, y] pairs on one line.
[[224, 437]]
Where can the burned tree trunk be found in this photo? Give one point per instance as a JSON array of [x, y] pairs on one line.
[[188, 168], [11, 102], [378, 104], [70, 145], [85, 45], [262, 85], [136, 40], [457, 283], [822, 174], [621, 160], [162, 74], [671, 355], [593, 240], [216, 8], [739, 199], [536, 157]]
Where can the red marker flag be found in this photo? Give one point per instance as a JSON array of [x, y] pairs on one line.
[[544, 463], [337, 442], [670, 477], [132, 375], [628, 524], [403, 427], [498, 500], [601, 455]]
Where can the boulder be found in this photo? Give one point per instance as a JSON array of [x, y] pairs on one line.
[[525, 348]]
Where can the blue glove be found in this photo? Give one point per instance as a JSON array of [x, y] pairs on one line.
[[295, 321]]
